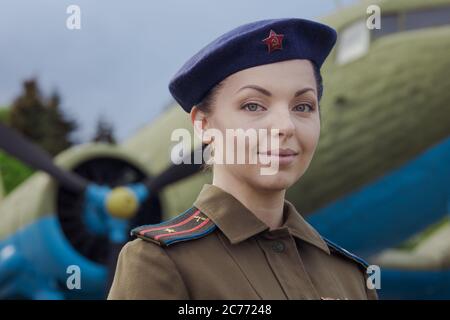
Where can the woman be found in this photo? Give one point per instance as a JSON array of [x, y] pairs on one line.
[[242, 239]]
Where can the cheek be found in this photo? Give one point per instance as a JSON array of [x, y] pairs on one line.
[[229, 119], [308, 135]]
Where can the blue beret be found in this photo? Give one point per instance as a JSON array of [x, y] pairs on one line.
[[253, 44]]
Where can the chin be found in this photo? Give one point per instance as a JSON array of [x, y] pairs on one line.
[[282, 180]]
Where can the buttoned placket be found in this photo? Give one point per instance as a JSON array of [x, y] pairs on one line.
[[284, 259]]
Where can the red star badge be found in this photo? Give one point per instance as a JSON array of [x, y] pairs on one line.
[[274, 41]]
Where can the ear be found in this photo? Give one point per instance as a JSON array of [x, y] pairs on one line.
[[200, 124]]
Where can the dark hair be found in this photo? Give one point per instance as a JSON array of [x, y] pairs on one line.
[[210, 98], [319, 83]]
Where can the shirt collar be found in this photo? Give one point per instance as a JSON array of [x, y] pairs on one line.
[[238, 223]]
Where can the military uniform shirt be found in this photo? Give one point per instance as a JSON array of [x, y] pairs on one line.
[[241, 258]]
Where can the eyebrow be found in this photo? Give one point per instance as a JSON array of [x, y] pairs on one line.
[[267, 93]]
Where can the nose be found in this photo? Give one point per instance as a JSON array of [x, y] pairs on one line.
[[282, 120]]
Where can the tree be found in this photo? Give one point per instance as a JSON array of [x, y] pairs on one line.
[[4, 115], [41, 120], [104, 132]]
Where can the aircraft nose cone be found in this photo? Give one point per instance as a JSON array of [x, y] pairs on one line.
[[122, 203]]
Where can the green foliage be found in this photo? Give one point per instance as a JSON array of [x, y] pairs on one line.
[[4, 115], [13, 172], [41, 120]]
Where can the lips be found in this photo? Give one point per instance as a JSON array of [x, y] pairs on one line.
[[280, 152], [283, 157]]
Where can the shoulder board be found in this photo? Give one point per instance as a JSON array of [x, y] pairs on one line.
[[189, 225], [346, 253]]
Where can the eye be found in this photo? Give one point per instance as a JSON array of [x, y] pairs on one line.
[[303, 106], [252, 107]]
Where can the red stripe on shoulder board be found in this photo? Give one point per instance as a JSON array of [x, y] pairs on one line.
[[142, 232], [184, 231]]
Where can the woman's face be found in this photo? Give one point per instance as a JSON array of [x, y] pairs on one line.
[[279, 96]]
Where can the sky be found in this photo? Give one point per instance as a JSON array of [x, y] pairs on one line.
[[117, 66]]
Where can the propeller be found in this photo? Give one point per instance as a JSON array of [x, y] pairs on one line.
[[118, 205], [21, 148]]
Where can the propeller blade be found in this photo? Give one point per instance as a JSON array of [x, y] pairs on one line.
[[174, 173], [21, 148]]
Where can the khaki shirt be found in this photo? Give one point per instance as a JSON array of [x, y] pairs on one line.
[[240, 259]]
